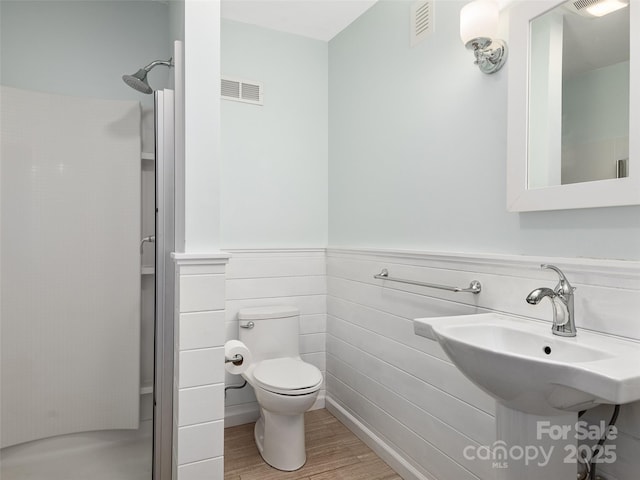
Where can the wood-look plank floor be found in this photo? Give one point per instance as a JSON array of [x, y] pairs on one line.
[[333, 453]]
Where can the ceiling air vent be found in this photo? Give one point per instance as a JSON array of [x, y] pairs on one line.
[[580, 4], [421, 21], [241, 90], [594, 8]]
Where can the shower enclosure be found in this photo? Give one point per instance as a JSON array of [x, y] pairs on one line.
[[83, 358]]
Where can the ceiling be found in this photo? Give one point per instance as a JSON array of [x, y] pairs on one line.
[[319, 19]]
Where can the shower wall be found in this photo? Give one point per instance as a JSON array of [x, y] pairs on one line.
[[70, 278]]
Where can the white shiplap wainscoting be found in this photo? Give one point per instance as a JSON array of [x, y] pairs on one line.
[[198, 442], [276, 277], [401, 394]]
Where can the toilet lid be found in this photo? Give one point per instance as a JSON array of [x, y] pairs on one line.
[[287, 375]]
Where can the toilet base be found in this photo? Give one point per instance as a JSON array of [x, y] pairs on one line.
[[280, 440]]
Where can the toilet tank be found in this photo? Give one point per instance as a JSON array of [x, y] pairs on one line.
[[274, 333]]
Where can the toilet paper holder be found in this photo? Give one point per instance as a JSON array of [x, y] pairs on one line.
[[236, 360]]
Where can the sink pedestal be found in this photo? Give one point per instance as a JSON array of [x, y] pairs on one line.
[[539, 436]]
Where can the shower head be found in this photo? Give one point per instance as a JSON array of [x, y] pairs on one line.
[[138, 81]]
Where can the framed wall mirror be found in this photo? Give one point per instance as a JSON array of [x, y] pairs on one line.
[[573, 105]]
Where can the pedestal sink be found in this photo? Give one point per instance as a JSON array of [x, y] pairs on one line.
[[537, 378]]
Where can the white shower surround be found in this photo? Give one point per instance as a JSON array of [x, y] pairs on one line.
[[70, 306]]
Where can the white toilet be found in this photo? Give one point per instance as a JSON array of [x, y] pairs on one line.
[[285, 386]]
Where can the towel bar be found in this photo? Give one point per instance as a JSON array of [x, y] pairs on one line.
[[474, 286]]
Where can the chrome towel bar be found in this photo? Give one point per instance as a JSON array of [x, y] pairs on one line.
[[474, 286]]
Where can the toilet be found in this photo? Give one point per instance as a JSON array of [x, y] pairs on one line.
[[285, 385]]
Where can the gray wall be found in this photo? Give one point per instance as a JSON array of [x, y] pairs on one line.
[[274, 157], [417, 151], [83, 48]]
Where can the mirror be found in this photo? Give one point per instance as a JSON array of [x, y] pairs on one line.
[[578, 96], [570, 90]]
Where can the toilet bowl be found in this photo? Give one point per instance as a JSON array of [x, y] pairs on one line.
[[285, 386]]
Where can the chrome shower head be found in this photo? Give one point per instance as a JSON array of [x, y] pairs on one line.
[[138, 81]]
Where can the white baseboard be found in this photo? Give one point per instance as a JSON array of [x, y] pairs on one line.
[[375, 443], [250, 412], [241, 414]]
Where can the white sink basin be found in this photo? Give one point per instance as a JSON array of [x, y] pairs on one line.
[[527, 368]]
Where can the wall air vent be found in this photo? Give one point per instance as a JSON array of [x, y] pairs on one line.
[[421, 20], [246, 91]]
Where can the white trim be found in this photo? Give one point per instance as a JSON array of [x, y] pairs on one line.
[[178, 145], [241, 414], [603, 193], [394, 459], [218, 258], [267, 251], [594, 265], [623, 266]]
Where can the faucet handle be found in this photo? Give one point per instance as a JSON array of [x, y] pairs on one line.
[[564, 284]]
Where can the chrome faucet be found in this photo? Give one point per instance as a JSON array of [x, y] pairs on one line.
[[562, 301]]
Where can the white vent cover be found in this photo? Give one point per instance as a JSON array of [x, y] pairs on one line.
[[421, 20], [246, 91], [581, 7]]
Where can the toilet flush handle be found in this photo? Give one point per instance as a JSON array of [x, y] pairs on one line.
[[248, 325]]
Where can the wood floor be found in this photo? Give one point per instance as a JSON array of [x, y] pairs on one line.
[[333, 453]]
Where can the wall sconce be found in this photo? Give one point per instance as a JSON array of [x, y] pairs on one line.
[[478, 29]]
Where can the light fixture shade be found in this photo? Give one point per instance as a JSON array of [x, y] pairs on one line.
[[479, 19]]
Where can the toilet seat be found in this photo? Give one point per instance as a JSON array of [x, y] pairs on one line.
[[287, 376]]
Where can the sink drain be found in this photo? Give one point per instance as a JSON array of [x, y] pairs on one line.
[[547, 349]]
